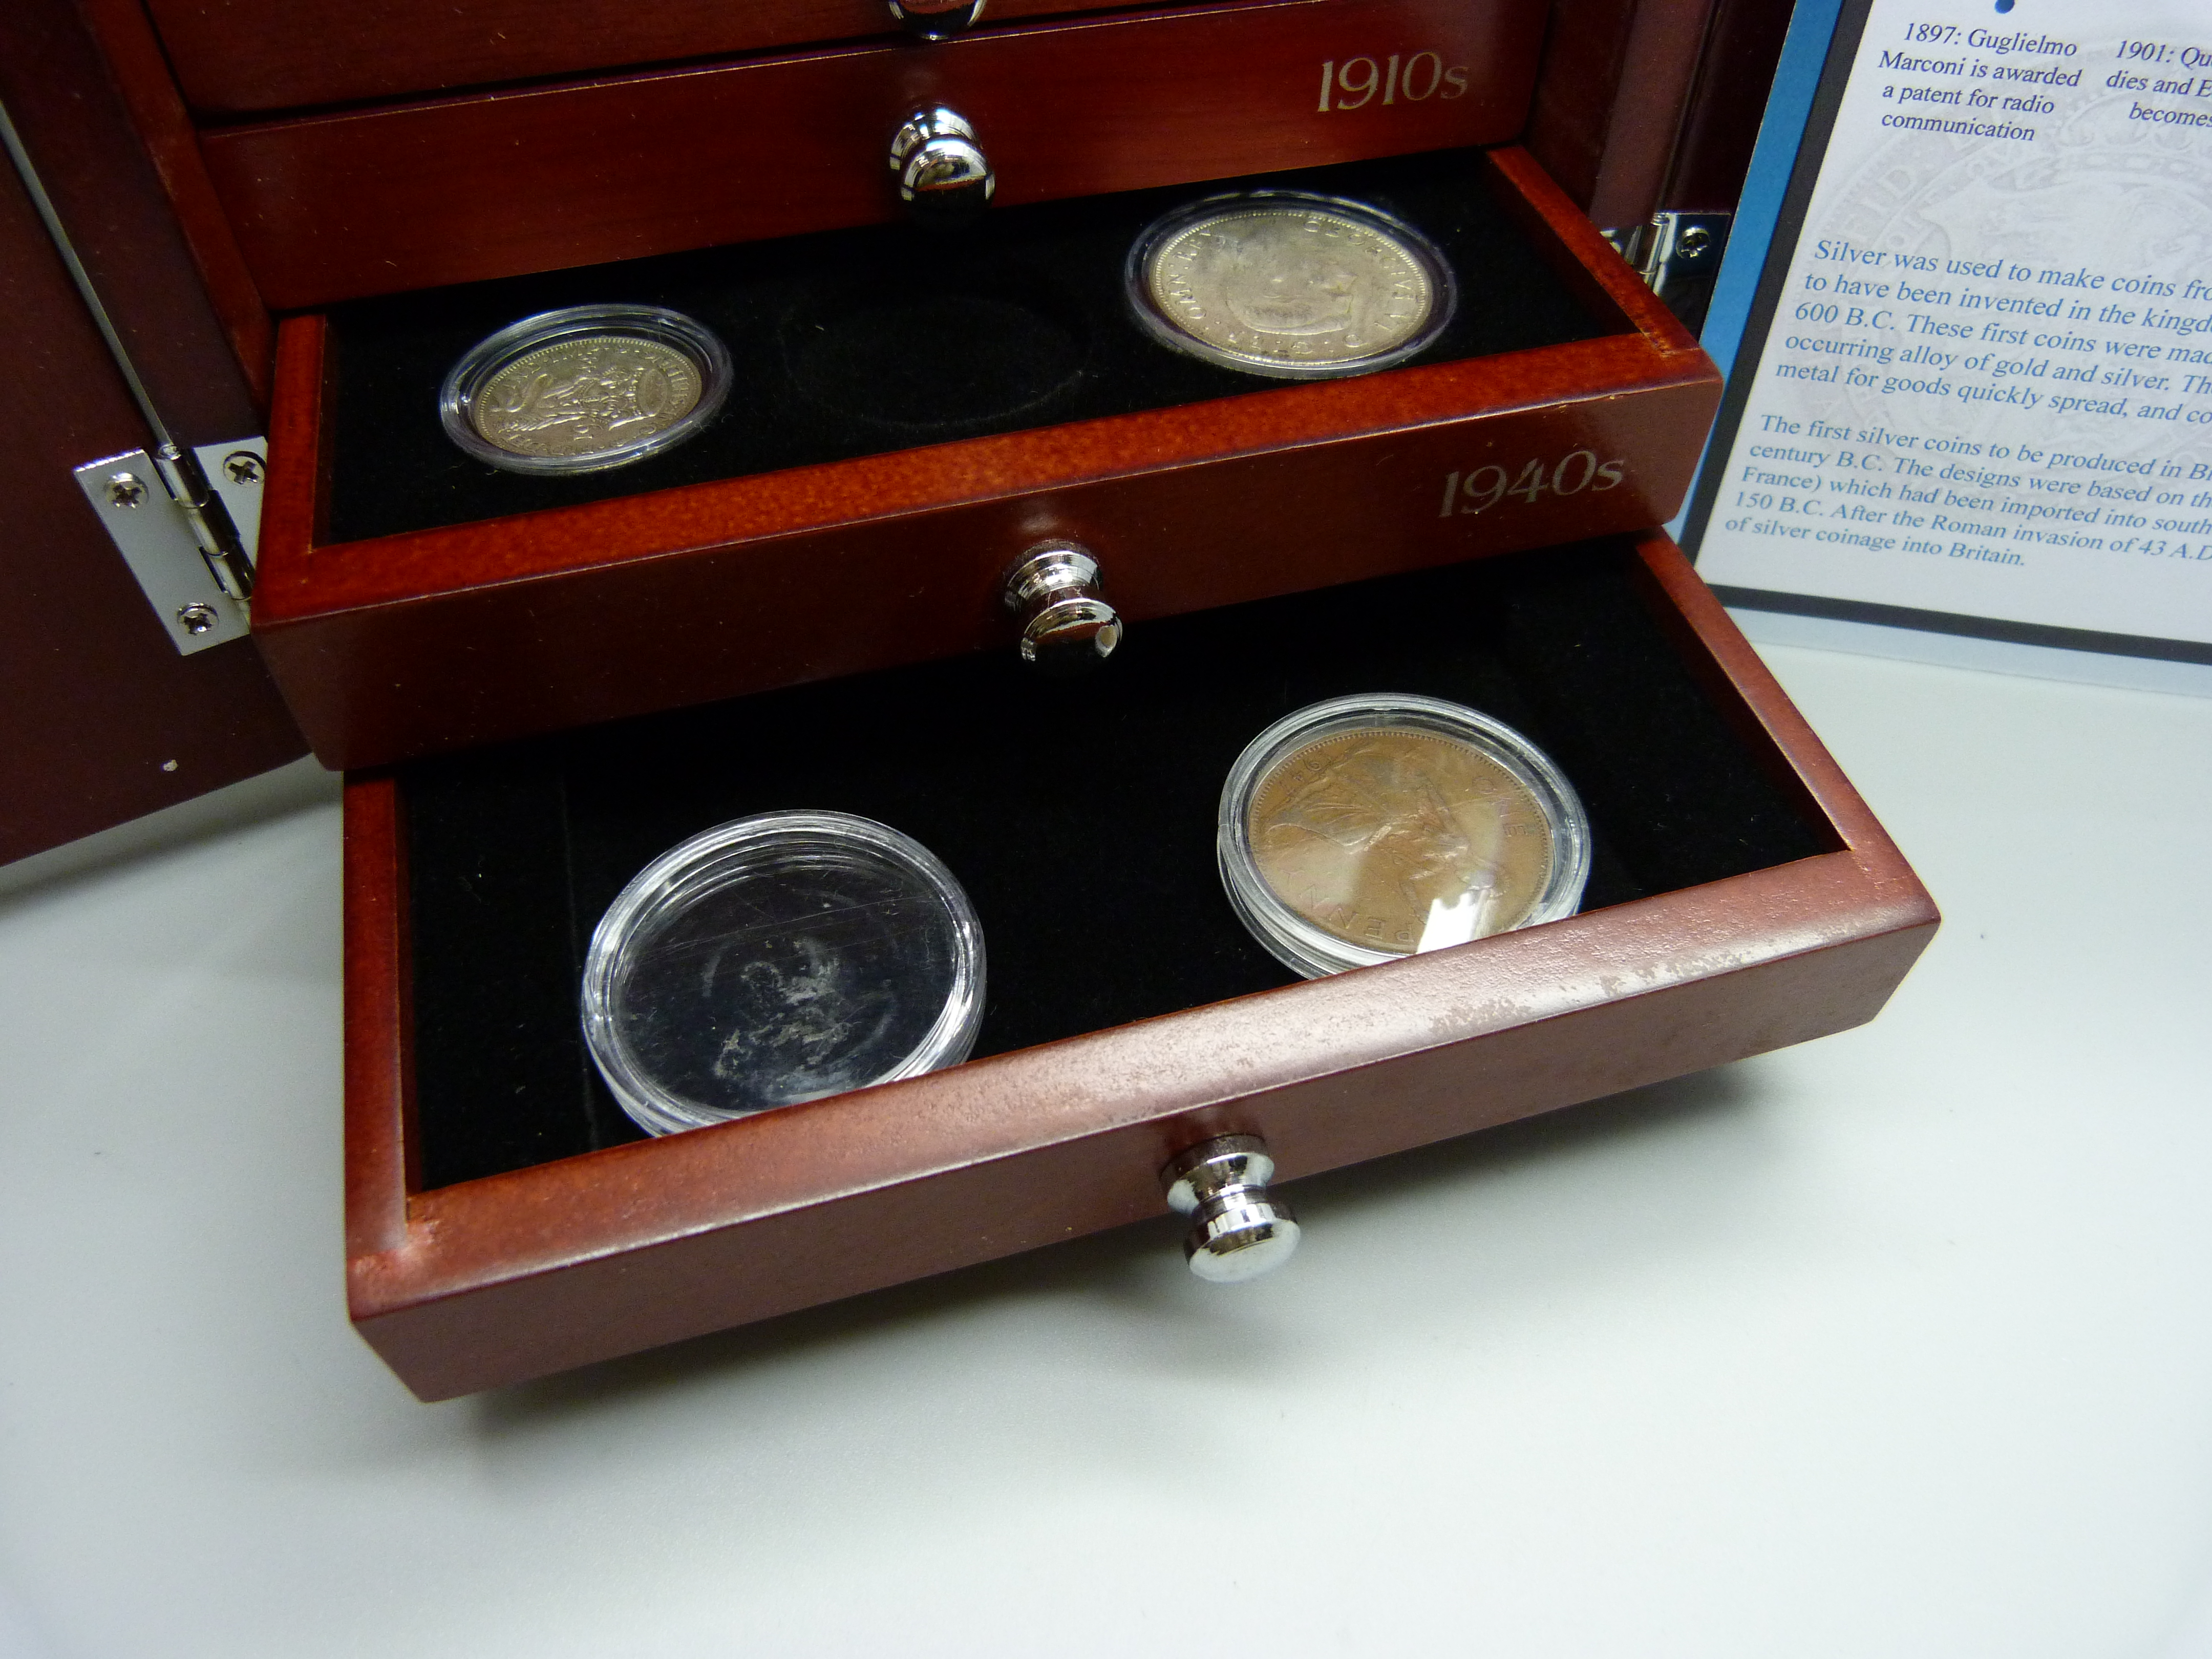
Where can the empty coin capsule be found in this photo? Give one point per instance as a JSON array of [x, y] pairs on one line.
[[776, 959]]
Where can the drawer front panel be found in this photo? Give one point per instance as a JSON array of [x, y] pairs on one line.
[[531, 1324], [381, 201], [382, 678], [239, 57]]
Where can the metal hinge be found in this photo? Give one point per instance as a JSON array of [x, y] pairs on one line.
[[187, 522], [1678, 254]]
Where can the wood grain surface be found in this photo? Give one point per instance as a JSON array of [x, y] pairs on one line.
[[141, 76], [1659, 66], [496, 1280], [1721, 127], [100, 719], [1612, 94], [382, 200], [1585, 45], [446, 638], [122, 170], [236, 56]]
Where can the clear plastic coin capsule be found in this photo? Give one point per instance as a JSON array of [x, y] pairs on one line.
[[585, 389], [776, 959], [1365, 829], [1288, 284]]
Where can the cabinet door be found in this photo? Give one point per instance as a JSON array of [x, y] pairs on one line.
[[100, 719]]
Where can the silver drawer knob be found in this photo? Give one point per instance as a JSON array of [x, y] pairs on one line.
[[1239, 1230], [1067, 628], [937, 20], [943, 175]]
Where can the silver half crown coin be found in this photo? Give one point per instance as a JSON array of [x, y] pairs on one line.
[[584, 389]]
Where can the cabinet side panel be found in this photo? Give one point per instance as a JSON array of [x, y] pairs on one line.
[[1721, 125], [377, 1087], [1611, 96], [1648, 107], [1584, 48]]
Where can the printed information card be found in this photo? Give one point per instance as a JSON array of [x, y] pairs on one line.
[[1983, 403]]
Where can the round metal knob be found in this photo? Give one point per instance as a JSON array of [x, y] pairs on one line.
[[1067, 628], [936, 20], [944, 177], [1239, 1230]]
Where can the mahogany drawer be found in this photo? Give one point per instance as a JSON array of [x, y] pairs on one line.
[[390, 197], [506, 605], [503, 1220]]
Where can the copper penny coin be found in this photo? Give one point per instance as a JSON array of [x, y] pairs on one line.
[[1399, 840]]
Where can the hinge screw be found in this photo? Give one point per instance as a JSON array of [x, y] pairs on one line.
[[197, 619], [124, 489], [244, 467], [1694, 241]]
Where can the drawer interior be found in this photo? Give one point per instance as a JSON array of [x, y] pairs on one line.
[[891, 337], [1078, 816]]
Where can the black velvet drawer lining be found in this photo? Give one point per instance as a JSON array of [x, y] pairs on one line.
[[1079, 816], [863, 342]]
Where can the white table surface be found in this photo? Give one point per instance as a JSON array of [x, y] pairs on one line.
[[1897, 1344]]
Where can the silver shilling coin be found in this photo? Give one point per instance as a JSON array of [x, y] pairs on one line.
[[1290, 285], [580, 390]]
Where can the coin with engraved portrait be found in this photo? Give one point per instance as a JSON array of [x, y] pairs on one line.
[[580, 390], [1368, 828], [1399, 840], [1289, 285]]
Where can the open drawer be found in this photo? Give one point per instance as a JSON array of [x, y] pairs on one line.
[[911, 414], [505, 1220]]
